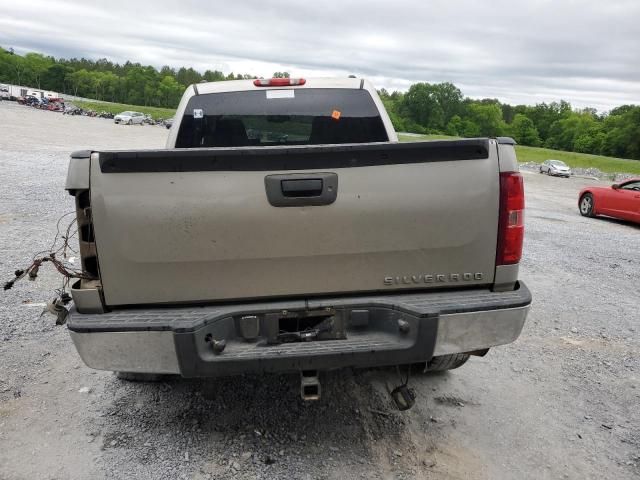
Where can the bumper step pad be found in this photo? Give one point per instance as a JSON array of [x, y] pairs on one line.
[[187, 319]]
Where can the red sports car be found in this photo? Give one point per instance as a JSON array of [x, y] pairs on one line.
[[620, 200]]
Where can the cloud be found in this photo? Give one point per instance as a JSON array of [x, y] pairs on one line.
[[520, 52]]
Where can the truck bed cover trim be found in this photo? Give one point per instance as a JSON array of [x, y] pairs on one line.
[[306, 157]]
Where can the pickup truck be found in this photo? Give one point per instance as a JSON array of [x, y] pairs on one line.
[[285, 229]]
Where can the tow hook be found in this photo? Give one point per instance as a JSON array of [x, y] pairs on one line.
[[217, 346], [309, 385]]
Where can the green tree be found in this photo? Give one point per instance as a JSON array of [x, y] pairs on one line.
[[449, 98], [135, 81], [111, 85], [97, 82], [455, 127], [37, 65], [622, 137], [54, 77], [470, 129], [391, 105], [524, 131], [188, 76], [564, 132], [420, 105], [544, 115], [6, 66], [167, 70], [80, 82], [589, 142], [508, 112], [213, 76], [16, 67], [169, 91], [488, 118]]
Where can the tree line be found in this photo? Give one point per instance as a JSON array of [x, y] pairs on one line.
[[429, 108], [102, 79], [440, 108]]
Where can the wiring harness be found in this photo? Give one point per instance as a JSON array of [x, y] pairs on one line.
[[56, 255]]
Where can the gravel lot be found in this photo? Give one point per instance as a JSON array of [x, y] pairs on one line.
[[561, 402]]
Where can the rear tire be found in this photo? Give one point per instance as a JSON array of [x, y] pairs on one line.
[[140, 377], [442, 363], [586, 205]]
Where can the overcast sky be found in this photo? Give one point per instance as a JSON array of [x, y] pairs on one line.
[[587, 52]]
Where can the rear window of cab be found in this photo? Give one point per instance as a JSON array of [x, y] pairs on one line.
[[281, 117]]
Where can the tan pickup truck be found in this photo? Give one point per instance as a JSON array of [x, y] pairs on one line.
[[284, 228]]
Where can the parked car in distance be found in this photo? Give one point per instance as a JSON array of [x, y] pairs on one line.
[[621, 200], [31, 101], [56, 104], [555, 167], [129, 118]]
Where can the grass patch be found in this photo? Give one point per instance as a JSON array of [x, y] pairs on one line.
[[115, 108], [539, 155]]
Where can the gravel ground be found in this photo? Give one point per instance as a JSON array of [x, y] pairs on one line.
[[561, 402]]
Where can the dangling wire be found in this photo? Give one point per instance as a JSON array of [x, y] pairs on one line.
[[60, 244]]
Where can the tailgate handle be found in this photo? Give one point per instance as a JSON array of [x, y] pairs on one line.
[[301, 189]]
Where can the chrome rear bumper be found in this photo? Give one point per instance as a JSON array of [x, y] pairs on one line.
[[177, 340]]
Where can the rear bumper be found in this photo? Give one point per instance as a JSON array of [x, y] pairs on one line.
[[378, 330]]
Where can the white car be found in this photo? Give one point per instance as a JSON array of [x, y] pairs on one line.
[[555, 167], [129, 118]]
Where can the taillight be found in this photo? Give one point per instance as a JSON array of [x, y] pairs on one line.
[[511, 222], [278, 82]]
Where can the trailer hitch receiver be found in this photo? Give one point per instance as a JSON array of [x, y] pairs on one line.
[[309, 385]]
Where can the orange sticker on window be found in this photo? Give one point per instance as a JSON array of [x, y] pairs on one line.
[[336, 115]]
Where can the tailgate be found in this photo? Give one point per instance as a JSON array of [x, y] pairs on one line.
[[236, 223]]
